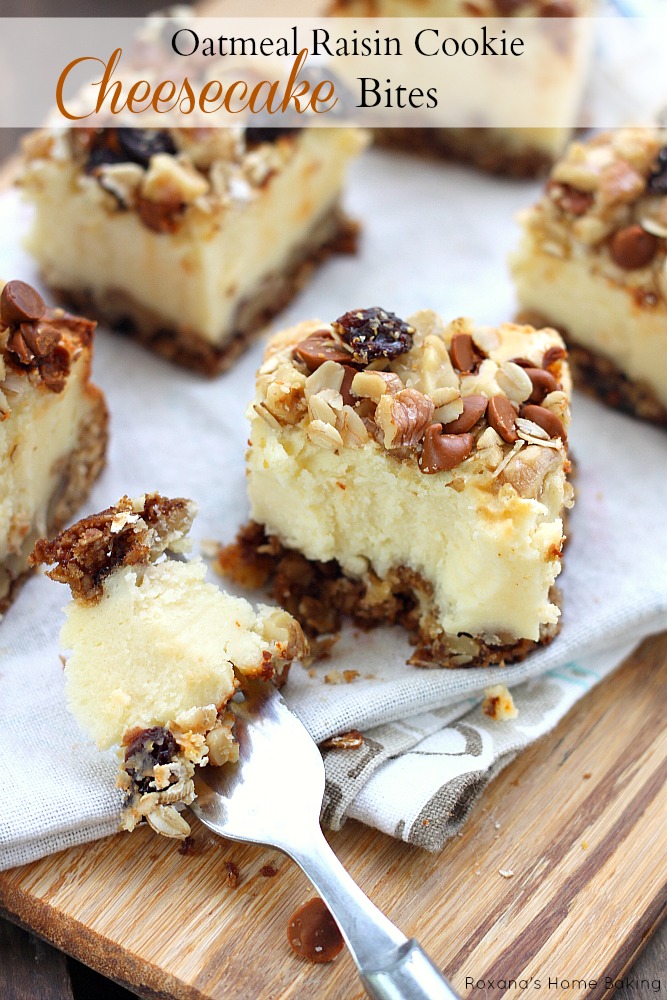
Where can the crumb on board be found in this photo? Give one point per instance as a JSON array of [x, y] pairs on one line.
[[268, 871], [233, 874], [506, 872], [498, 703]]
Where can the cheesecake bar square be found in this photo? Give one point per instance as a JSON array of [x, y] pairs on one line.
[[156, 652], [593, 262], [53, 425], [414, 472], [188, 239], [492, 145]]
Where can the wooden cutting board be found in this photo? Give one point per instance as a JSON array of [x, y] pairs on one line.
[[578, 818]]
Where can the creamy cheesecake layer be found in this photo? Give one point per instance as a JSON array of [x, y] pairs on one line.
[[155, 652], [597, 313], [240, 226], [593, 260], [555, 91], [480, 524], [169, 640]]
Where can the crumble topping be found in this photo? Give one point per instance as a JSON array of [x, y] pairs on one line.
[[438, 395], [36, 341], [607, 200], [132, 533], [162, 173]]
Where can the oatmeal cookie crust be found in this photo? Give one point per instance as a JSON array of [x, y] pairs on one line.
[[319, 595]]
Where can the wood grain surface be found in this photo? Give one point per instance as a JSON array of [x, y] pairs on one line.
[[578, 819]]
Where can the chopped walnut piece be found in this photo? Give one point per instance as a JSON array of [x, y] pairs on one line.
[[403, 418], [374, 384]]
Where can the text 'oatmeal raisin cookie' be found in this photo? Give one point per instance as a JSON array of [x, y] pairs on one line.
[[593, 263], [187, 239], [412, 471], [53, 424], [156, 652]]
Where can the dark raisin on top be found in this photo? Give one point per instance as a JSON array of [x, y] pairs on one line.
[[126, 145], [254, 136], [374, 333], [139, 144], [657, 182], [103, 156]]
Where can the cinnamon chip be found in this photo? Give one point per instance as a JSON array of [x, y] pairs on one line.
[[474, 408], [321, 347], [632, 247], [442, 452], [463, 353], [20, 303], [543, 383], [501, 415], [545, 419]]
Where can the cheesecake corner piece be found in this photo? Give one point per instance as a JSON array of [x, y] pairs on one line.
[[412, 471], [189, 240], [592, 262], [53, 424], [156, 652]]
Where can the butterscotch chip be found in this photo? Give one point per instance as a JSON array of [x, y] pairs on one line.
[[321, 347], [545, 419], [313, 933], [474, 408], [502, 417], [633, 247], [543, 383], [442, 452], [20, 303], [462, 352]]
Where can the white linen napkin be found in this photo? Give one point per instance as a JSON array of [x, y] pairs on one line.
[[436, 236]]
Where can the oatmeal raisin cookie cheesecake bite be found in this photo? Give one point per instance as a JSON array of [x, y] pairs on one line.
[[156, 652], [593, 262], [53, 424], [187, 239], [415, 472]]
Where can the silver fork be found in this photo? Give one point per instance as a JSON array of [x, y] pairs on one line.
[[273, 796]]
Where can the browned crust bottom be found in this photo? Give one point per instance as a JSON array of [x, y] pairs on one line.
[[596, 375], [334, 233], [76, 475], [483, 148], [319, 596]]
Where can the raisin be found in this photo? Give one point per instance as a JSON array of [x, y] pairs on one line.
[[657, 182], [103, 156], [374, 333], [140, 144], [156, 742]]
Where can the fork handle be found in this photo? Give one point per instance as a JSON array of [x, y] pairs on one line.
[[413, 976], [391, 966]]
